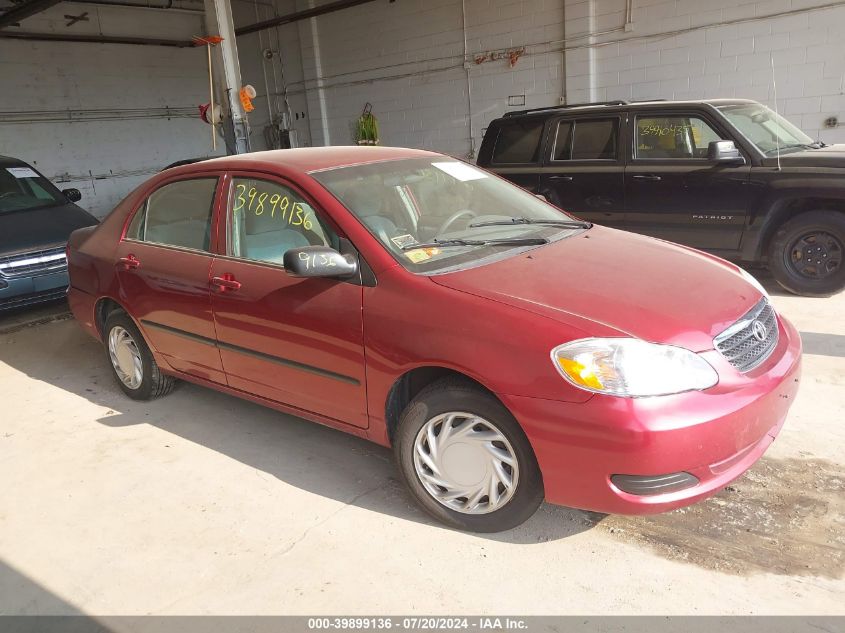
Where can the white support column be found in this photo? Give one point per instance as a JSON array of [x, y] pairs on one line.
[[227, 74]]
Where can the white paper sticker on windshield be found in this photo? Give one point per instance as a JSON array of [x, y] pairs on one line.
[[22, 172], [461, 171], [403, 240]]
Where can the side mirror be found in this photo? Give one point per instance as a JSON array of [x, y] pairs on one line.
[[319, 261], [724, 152], [74, 195]]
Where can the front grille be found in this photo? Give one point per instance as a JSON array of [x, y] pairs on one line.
[[745, 344], [33, 263]]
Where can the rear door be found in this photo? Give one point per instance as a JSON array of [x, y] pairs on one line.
[[163, 265], [584, 172], [674, 192], [296, 341]]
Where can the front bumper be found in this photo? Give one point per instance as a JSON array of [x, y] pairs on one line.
[[714, 435], [25, 291]]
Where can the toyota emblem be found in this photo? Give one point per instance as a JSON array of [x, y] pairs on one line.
[[759, 330]]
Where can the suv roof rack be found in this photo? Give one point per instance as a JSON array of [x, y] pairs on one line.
[[618, 102]]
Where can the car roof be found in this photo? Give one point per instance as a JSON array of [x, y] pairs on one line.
[[308, 159], [613, 106], [9, 161]]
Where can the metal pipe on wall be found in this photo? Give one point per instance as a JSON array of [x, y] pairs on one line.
[[135, 5], [471, 153]]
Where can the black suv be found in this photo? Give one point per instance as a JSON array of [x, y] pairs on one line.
[[728, 176]]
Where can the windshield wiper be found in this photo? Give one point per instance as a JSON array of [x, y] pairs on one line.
[[572, 224], [513, 241]]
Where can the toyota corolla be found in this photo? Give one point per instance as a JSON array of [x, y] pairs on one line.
[[508, 352]]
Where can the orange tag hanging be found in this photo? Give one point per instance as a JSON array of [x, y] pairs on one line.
[[246, 98]]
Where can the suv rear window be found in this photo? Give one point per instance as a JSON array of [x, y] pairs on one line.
[[587, 140], [518, 142]]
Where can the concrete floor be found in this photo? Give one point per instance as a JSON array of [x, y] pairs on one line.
[[202, 503]]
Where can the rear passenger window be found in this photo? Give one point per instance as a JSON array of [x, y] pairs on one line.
[[518, 142], [595, 140], [178, 214], [267, 219]]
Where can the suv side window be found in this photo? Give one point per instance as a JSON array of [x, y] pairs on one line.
[[518, 142], [676, 137], [587, 139], [266, 219], [177, 214]]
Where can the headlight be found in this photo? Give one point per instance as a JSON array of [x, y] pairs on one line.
[[631, 367], [753, 281]]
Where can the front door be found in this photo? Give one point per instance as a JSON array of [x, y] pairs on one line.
[[673, 192], [163, 264], [296, 341], [585, 172]]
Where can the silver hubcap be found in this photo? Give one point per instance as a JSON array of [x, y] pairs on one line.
[[125, 357], [466, 463]]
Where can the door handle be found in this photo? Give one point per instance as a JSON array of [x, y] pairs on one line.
[[130, 262], [649, 177], [226, 282], [563, 178]]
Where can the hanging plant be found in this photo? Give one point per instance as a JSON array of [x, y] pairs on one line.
[[366, 128]]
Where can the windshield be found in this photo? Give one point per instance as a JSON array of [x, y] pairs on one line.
[[765, 128], [429, 201], [22, 187]]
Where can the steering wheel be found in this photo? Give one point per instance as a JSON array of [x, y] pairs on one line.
[[457, 215]]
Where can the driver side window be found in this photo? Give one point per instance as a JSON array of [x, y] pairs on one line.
[[674, 137], [266, 219]]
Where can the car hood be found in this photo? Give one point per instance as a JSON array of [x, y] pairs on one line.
[[608, 282], [828, 156], [28, 230]]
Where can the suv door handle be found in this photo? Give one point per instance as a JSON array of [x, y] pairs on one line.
[[226, 282], [130, 262], [564, 178], [649, 177]]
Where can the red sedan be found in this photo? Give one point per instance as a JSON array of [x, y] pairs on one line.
[[507, 351]]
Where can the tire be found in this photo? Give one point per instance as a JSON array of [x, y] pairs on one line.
[[149, 382], [813, 234], [456, 403]]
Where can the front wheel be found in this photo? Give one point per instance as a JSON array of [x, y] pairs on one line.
[[806, 254], [466, 460]]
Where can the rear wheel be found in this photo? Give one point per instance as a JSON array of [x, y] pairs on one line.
[[806, 254], [466, 460], [131, 361]]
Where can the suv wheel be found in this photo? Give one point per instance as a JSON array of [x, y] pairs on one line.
[[466, 460], [806, 254], [131, 361]]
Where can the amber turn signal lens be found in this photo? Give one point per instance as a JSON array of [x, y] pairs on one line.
[[580, 373]]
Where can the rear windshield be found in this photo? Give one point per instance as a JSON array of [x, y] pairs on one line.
[[21, 187]]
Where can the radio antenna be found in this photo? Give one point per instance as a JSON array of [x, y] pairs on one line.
[[777, 123]]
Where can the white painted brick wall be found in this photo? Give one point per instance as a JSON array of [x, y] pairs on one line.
[[806, 50], [38, 76], [404, 58]]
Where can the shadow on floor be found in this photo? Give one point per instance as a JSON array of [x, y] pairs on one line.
[[300, 453], [823, 344]]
